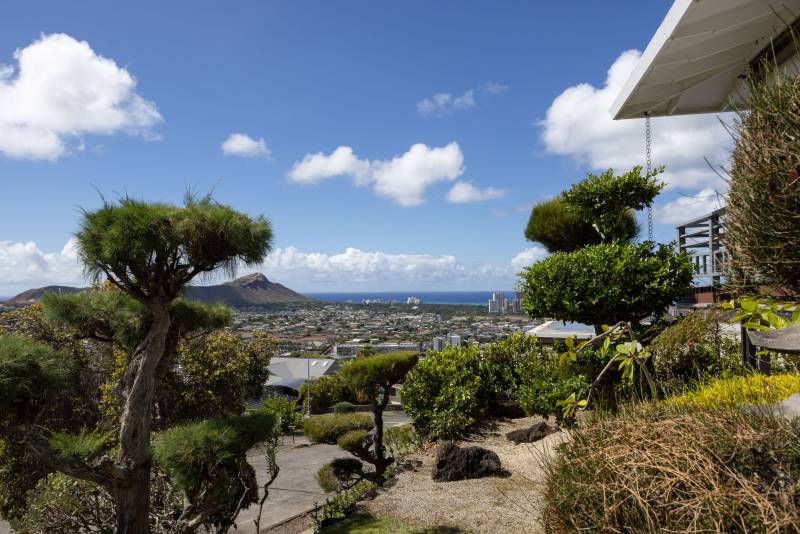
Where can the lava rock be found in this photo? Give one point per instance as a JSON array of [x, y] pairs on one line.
[[509, 409], [455, 463], [535, 433]]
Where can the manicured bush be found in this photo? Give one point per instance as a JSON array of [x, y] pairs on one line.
[[659, 468], [734, 392], [207, 461], [328, 428], [604, 284], [606, 201], [692, 349], [553, 225], [344, 407]]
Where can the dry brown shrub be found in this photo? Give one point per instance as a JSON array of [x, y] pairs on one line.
[[659, 469], [763, 217]]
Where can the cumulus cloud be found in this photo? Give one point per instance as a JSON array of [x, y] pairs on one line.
[[61, 90], [24, 265], [354, 267], [444, 103], [578, 124], [529, 256], [464, 192], [239, 144], [403, 179], [687, 208]]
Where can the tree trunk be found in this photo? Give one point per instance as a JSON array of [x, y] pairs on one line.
[[377, 413], [132, 501], [132, 498]]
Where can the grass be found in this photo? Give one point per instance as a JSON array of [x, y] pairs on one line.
[[366, 524]]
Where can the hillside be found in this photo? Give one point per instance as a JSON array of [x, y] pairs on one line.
[[251, 290], [34, 295]]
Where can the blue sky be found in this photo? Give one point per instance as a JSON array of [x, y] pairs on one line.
[[528, 85]]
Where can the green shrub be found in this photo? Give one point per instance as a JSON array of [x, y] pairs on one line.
[[542, 395], [661, 468], [344, 407], [30, 372], [328, 428], [450, 390], [340, 474], [692, 349], [402, 440], [285, 412], [553, 225], [328, 390], [604, 284], [442, 393], [507, 364], [207, 461], [60, 504]]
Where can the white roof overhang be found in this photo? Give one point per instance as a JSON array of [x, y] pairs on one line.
[[697, 59]]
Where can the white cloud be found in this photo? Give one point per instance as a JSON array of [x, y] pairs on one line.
[[528, 257], [496, 88], [63, 90], [355, 267], [317, 167], [239, 144], [25, 265], [403, 179], [686, 208], [444, 103], [579, 124], [463, 192]]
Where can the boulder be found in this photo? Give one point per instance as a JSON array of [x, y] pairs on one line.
[[456, 463], [509, 409], [535, 433]]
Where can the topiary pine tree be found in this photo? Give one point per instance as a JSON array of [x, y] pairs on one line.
[[372, 377], [150, 252], [609, 280], [554, 224]]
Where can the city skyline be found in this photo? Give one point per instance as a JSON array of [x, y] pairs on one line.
[[403, 158]]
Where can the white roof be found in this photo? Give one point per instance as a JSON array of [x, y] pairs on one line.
[[695, 61]]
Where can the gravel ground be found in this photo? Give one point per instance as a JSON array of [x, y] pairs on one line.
[[493, 505]]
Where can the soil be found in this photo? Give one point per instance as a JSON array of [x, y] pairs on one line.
[[491, 505]]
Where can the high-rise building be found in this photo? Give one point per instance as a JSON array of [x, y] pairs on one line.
[[438, 343], [498, 303], [453, 340]]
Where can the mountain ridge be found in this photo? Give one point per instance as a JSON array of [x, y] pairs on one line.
[[249, 290]]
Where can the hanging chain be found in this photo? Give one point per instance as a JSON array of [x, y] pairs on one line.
[[649, 162]]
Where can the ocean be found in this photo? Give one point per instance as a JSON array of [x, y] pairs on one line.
[[475, 298]]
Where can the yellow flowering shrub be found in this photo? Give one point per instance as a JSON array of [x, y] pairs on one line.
[[733, 392]]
